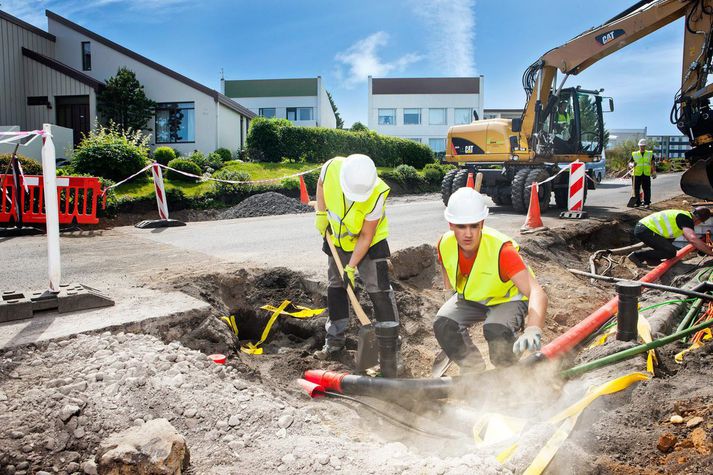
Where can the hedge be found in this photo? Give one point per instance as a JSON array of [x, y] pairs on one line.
[[29, 166], [183, 165], [272, 140]]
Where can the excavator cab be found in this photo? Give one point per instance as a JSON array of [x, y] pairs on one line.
[[575, 123]]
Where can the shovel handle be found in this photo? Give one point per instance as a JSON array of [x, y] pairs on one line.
[[363, 318], [478, 181]]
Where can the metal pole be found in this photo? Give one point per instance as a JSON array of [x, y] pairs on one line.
[[628, 315]]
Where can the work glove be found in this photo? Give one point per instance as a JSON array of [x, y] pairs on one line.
[[348, 276], [321, 222], [529, 340]]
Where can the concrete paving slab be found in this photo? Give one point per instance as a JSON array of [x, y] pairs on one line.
[[133, 305]]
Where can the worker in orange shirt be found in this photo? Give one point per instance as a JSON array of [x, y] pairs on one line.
[[490, 284]]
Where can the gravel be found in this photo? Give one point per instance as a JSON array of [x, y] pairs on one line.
[[265, 204]]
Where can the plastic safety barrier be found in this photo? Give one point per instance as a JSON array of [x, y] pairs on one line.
[[76, 196]]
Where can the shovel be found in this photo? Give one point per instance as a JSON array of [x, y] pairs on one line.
[[367, 351], [442, 362], [632, 199]]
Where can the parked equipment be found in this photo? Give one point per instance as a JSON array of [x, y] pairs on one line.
[[561, 125]]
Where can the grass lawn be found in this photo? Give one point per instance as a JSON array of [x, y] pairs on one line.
[[143, 188]]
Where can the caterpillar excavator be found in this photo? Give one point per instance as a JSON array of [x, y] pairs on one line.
[[560, 125]]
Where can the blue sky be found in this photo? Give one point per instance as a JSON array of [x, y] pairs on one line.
[[344, 42]]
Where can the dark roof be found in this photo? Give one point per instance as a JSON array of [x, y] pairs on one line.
[[469, 85], [271, 87], [502, 110], [64, 69], [220, 98], [27, 26]]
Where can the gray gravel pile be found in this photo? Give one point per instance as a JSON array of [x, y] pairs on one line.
[[58, 401], [265, 204]]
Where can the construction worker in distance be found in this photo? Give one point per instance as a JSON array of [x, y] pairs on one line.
[[658, 230], [490, 283], [643, 170], [351, 200], [563, 121]]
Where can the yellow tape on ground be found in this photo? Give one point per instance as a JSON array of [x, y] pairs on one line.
[[644, 329], [570, 415], [707, 335], [230, 321], [302, 312], [602, 338]]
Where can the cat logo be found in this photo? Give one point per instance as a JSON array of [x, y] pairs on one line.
[[605, 38], [468, 149]]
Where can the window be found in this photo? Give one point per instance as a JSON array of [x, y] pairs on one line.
[[463, 116], [490, 115], [38, 101], [299, 113], [86, 56], [415, 139], [437, 145], [268, 112], [412, 116], [437, 116], [387, 116], [175, 122]]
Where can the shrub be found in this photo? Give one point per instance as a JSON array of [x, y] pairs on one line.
[[271, 140], [109, 153], [433, 176], [183, 165], [29, 166], [290, 184], [214, 160], [224, 153], [163, 155], [311, 181], [407, 175], [199, 159], [228, 188]]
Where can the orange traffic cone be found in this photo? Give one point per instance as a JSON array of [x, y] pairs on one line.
[[534, 220], [471, 182], [304, 197]]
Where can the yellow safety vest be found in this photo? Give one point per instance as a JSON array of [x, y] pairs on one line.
[[346, 220], [483, 285], [664, 224], [642, 163]]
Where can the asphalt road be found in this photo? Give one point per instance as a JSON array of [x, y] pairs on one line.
[[124, 256]]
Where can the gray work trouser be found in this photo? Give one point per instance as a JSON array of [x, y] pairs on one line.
[[501, 323], [374, 272]]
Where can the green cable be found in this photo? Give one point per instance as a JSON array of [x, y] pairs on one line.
[[631, 352], [650, 307]]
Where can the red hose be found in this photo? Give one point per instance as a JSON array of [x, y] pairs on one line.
[[596, 319]]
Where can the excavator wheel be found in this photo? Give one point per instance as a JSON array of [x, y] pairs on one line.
[[697, 181], [446, 185], [459, 180], [517, 190], [544, 193]]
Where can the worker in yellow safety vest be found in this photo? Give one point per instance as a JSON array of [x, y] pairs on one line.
[[658, 230], [643, 170], [351, 201], [489, 283], [563, 119]]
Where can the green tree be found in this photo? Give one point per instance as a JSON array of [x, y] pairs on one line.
[[340, 121], [359, 127], [124, 102]]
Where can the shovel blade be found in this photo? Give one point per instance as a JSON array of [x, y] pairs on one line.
[[367, 349]]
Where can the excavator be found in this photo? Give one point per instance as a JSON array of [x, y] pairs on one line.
[[560, 125]]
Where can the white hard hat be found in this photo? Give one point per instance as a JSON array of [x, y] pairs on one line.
[[358, 177], [466, 206], [642, 143]]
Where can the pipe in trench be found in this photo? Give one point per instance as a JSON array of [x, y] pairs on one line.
[[575, 335]]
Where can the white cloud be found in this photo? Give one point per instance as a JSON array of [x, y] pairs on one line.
[[33, 11], [362, 60], [450, 26]]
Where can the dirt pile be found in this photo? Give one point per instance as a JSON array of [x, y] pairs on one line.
[[265, 204], [58, 401]]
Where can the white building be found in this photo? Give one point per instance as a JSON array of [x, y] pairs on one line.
[[669, 146], [303, 101], [422, 109], [54, 77], [502, 113], [619, 136]]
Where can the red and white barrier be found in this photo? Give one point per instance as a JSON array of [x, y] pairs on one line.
[[160, 191], [575, 202]]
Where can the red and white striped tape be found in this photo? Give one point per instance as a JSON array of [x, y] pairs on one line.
[[160, 191], [576, 186]]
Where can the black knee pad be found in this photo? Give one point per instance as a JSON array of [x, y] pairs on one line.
[[500, 340], [337, 303], [449, 338], [383, 306]]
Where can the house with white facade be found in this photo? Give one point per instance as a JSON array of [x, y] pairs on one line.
[[54, 77], [303, 101], [422, 109], [502, 113]]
